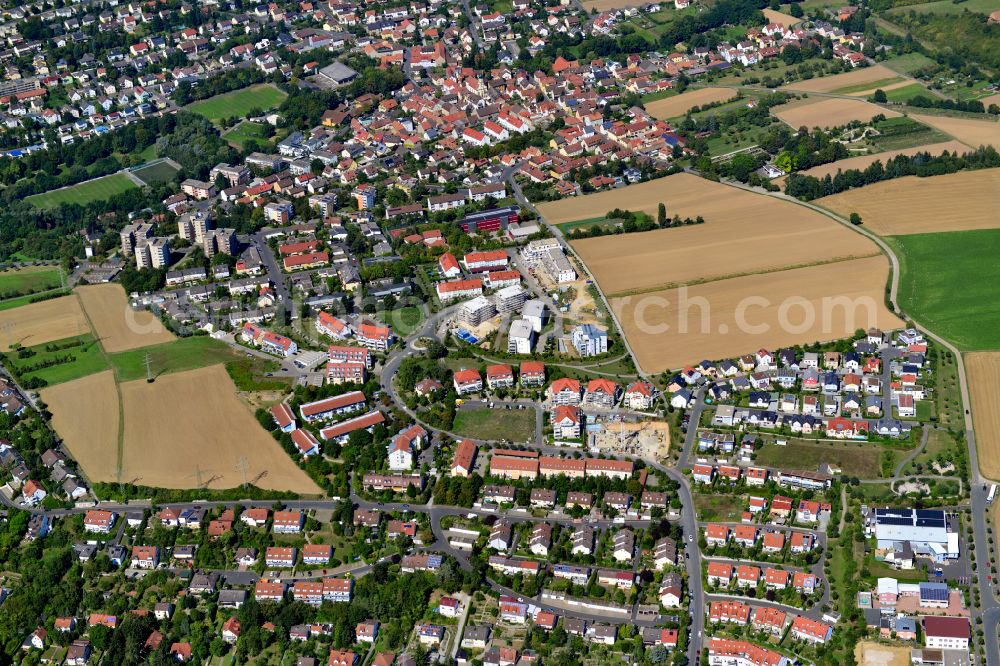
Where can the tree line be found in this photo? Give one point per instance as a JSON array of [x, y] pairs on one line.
[[921, 164]]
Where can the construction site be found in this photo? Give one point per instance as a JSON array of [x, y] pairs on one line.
[[617, 436]]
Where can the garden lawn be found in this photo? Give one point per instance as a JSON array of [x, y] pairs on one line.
[[245, 131], [85, 192], [238, 103], [28, 280], [516, 425], [177, 355], [948, 284], [404, 320]]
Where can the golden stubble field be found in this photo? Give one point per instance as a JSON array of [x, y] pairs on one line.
[[191, 422], [38, 323], [855, 77], [983, 369], [912, 205], [862, 161], [829, 112], [774, 16], [85, 414], [970, 131], [726, 318], [743, 233], [119, 327], [678, 105]]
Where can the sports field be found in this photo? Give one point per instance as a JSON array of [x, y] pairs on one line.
[[160, 171], [840, 82], [85, 192], [676, 327], [863, 161], [117, 325], [191, 423], [970, 131], [85, 415], [743, 233], [948, 284], [983, 369], [678, 105], [830, 112], [37, 323], [912, 205], [28, 280], [239, 102]]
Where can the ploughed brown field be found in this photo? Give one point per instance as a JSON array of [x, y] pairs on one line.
[[118, 326], [85, 415], [970, 131], [191, 422], [863, 161], [678, 105], [854, 77], [911, 205], [983, 369], [726, 318], [870, 653], [830, 112], [45, 321], [743, 233]]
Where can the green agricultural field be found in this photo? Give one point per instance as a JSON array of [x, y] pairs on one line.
[[29, 280], [948, 284], [908, 63], [178, 355], [861, 460], [950, 7], [859, 87], [906, 93], [516, 425], [245, 131], [158, 172], [73, 358], [85, 192], [239, 102]]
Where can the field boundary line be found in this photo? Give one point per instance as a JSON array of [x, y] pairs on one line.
[[732, 276], [120, 455]]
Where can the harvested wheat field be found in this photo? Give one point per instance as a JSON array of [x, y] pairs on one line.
[[983, 369], [676, 327], [678, 105], [774, 16], [992, 99], [116, 324], [831, 112], [912, 205], [781, 235], [863, 161], [868, 653], [192, 422], [38, 323], [855, 77], [85, 415], [971, 132]]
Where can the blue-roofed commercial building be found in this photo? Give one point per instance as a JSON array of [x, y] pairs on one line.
[[934, 595], [931, 533]]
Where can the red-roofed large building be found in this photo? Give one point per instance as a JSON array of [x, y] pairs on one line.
[[566, 421], [723, 652], [947, 633], [811, 631], [448, 266], [288, 522], [347, 354], [532, 373], [615, 469], [601, 393], [327, 324], [305, 442], [639, 396], [565, 391], [267, 590], [328, 408], [478, 262], [464, 460], [377, 337], [301, 262], [99, 521], [339, 432], [448, 291], [499, 376], [510, 467], [467, 381], [735, 612], [345, 372], [283, 417]]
